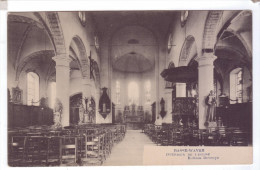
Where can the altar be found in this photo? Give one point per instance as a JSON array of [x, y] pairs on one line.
[[134, 116]]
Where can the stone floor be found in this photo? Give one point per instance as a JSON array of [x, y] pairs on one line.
[[130, 150]]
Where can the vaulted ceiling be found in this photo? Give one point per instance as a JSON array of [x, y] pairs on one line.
[[25, 37], [133, 36]]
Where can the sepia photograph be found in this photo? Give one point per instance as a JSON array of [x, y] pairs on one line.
[[129, 87]]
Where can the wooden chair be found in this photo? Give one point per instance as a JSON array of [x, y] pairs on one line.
[[68, 153], [16, 150], [239, 138], [224, 137], [36, 151], [164, 137], [54, 151], [94, 149], [156, 133], [108, 142], [195, 138]]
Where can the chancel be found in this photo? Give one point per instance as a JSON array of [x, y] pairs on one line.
[[84, 88]]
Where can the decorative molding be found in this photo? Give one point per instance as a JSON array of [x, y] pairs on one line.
[[62, 60], [209, 36], [57, 32], [84, 64], [206, 60]]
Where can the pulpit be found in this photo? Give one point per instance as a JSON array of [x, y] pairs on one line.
[[185, 111]]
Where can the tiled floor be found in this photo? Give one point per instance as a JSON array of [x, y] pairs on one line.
[[130, 150]]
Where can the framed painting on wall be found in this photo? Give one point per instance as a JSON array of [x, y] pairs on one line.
[[17, 95]]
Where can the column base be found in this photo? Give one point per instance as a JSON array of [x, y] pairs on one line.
[[212, 124]]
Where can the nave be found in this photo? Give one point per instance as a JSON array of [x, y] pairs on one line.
[[82, 84]]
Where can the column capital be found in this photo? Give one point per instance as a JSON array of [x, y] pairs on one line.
[[62, 60], [180, 84], [167, 91], [86, 81], [207, 59]]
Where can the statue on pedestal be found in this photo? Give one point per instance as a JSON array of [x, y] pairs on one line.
[[210, 101], [81, 113]]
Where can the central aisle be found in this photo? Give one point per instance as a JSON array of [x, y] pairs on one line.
[[130, 150]]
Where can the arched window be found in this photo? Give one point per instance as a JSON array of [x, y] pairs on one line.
[[32, 89], [52, 87], [147, 89], [236, 83], [133, 93], [117, 92]]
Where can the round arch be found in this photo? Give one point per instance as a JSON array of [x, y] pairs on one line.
[[26, 60], [82, 59], [57, 33], [209, 33]]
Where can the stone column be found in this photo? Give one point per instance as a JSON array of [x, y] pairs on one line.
[[205, 84], [180, 89], [168, 101], [63, 86]]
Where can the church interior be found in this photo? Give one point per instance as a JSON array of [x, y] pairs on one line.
[[85, 86]]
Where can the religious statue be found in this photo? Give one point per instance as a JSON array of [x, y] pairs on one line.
[[86, 103], [57, 113], [86, 113], [81, 113], [211, 107], [92, 110]]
